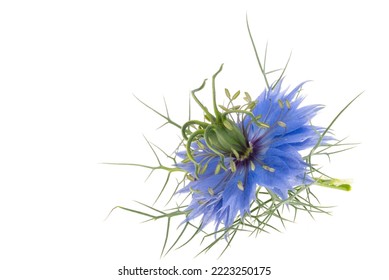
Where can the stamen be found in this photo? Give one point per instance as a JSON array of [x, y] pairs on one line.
[[228, 94], [235, 153], [265, 125], [211, 192], [190, 177], [235, 96], [252, 165], [280, 104], [194, 191], [217, 169], [240, 186], [223, 107], [232, 166], [251, 105], [282, 124], [201, 146], [268, 168], [246, 153], [287, 104], [247, 97], [204, 168]]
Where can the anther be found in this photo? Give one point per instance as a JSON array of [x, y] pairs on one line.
[[204, 168], [282, 124], [280, 104], [194, 191], [252, 165], [217, 169], [235, 153], [268, 168], [265, 125], [247, 97], [287, 104], [211, 192], [240, 186], [232, 166], [201, 146]]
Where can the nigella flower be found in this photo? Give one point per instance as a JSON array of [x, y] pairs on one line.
[[243, 163], [228, 160]]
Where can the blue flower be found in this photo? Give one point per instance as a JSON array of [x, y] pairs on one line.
[[227, 170]]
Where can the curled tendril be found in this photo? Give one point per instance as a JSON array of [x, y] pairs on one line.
[[217, 122]]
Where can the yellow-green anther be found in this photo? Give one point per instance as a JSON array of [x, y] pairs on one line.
[[217, 169], [247, 97], [252, 165], [204, 168], [268, 168], [197, 169], [228, 94], [194, 191], [228, 125], [211, 192], [287, 104], [282, 124], [223, 108], [201, 146], [240, 186], [251, 105], [235, 153], [280, 104], [201, 202], [264, 125], [190, 177], [235, 96], [232, 166]]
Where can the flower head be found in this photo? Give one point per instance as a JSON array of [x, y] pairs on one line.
[[230, 159], [245, 162]]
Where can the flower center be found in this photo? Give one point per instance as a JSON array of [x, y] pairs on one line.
[[247, 153]]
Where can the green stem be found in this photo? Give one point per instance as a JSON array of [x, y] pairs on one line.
[[170, 169], [167, 118], [217, 113], [256, 54], [207, 113]]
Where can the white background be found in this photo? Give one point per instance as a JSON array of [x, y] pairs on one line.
[[68, 72]]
